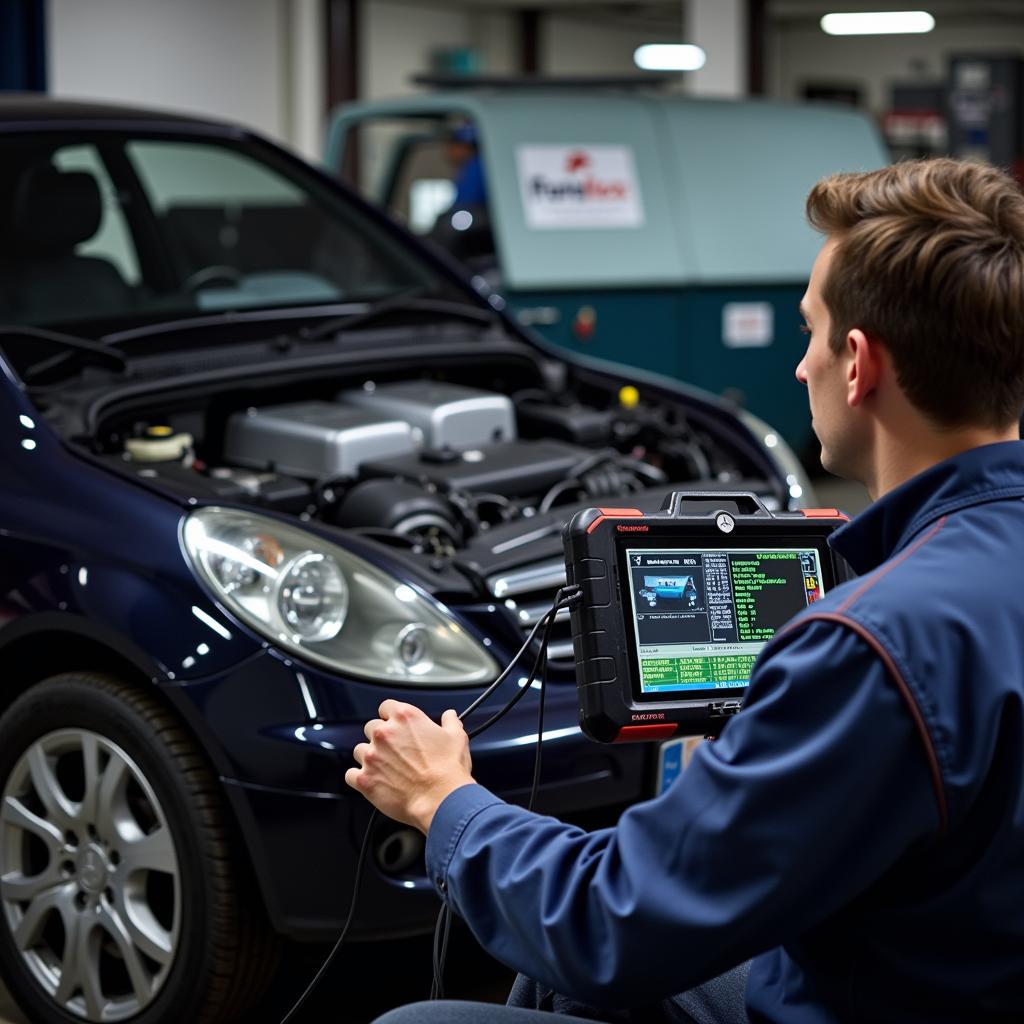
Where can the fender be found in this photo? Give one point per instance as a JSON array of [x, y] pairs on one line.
[[33, 624]]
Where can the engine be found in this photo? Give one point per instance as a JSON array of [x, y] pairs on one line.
[[436, 462]]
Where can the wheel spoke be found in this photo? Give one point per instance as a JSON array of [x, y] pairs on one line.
[[87, 967], [152, 852], [142, 983], [27, 931], [147, 933], [19, 888], [91, 764], [17, 815], [70, 962], [110, 797], [59, 808]]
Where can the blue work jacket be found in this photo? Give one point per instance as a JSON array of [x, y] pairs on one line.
[[858, 829]]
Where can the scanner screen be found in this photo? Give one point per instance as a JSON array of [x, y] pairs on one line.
[[700, 618]]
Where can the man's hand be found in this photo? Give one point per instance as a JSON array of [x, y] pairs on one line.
[[410, 764]]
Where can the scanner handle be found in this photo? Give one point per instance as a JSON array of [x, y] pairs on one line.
[[696, 503]]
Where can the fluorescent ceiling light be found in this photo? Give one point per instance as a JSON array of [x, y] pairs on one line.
[[874, 23], [669, 57]]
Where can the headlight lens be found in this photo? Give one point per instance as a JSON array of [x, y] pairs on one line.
[[325, 604]]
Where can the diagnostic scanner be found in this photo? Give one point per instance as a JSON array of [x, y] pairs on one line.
[[676, 605]]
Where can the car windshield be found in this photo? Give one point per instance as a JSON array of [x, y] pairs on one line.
[[106, 229]]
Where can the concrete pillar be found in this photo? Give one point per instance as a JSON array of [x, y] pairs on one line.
[[494, 34], [306, 73], [719, 27]]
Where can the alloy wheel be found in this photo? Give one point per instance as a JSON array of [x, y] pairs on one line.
[[89, 875]]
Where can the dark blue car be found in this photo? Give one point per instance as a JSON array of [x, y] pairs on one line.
[[266, 461]]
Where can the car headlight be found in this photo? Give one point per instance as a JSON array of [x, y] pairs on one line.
[[322, 603]]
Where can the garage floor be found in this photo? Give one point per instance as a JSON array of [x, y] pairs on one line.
[[471, 973], [404, 966], [8, 1014]]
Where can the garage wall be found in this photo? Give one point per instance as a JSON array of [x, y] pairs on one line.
[[397, 41], [796, 55], [261, 62], [254, 61], [571, 45], [222, 58]]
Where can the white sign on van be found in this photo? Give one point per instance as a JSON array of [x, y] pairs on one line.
[[579, 187], [748, 324]]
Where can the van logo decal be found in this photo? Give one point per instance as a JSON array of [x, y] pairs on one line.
[[578, 186]]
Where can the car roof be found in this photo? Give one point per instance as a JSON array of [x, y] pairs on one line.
[[35, 109]]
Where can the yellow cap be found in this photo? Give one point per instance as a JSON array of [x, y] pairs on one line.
[[629, 397], [159, 431]]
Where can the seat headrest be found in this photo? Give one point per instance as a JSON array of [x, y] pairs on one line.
[[55, 210]]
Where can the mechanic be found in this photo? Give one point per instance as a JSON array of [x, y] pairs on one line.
[[857, 832], [463, 153]]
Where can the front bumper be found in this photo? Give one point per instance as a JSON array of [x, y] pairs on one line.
[[282, 737]]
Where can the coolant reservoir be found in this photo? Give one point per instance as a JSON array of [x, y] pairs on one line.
[[159, 443]]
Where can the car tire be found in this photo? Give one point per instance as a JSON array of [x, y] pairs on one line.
[[120, 897]]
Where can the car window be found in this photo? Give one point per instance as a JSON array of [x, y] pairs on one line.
[[178, 173], [113, 241], [240, 233], [142, 228]]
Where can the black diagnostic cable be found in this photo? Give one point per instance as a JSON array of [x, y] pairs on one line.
[[563, 599], [360, 861]]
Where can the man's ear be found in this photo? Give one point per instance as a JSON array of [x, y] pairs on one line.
[[865, 364]]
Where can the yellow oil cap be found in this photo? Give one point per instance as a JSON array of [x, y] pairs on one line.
[[159, 430], [629, 397]]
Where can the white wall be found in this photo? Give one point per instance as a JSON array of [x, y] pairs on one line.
[[796, 55], [572, 45], [259, 62], [398, 40], [720, 28]]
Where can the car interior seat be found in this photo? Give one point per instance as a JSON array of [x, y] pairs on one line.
[[54, 211]]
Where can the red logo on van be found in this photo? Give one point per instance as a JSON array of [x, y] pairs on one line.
[[577, 161]]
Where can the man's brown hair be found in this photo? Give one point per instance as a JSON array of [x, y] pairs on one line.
[[929, 260]]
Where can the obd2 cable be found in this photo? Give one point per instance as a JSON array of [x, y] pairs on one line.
[[565, 597]]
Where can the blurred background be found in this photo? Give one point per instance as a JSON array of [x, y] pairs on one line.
[[280, 65]]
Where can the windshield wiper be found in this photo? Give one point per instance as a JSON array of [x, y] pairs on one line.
[[404, 302], [71, 346]]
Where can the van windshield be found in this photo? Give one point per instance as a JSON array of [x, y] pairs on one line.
[[104, 229]]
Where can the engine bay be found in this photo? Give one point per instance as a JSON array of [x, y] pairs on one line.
[[437, 465]]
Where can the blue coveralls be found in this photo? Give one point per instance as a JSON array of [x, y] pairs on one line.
[[858, 829], [470, 184]]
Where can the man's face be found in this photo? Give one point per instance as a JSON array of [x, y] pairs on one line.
[[825, 374], [458, 152]]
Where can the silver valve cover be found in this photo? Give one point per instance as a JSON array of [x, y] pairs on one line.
[[321, 440]]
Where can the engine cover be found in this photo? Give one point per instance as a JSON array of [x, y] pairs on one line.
[[514, 469], [313, 439], [445, 415]]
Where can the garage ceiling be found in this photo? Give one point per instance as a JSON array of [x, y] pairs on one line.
[[660, 16], [944, 10], [665, 16]]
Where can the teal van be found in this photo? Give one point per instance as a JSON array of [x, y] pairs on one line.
[[642, 227]]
